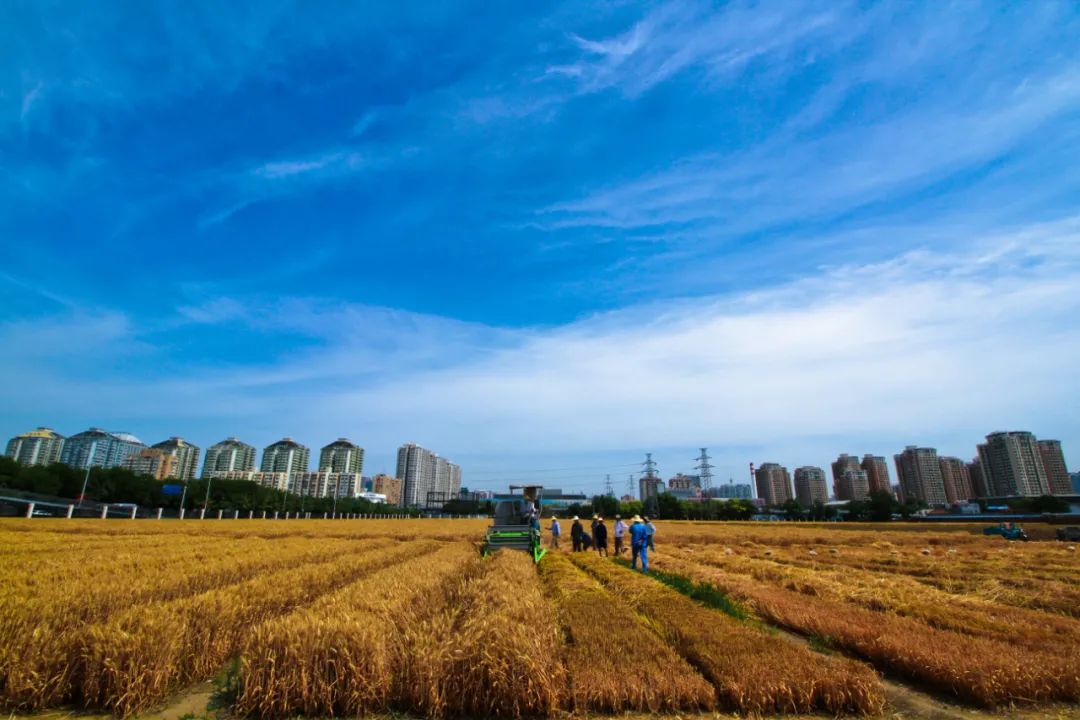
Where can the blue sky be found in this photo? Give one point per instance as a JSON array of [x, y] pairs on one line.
[[544, 236]]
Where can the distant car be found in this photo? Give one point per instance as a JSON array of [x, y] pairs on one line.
[[42, 513]]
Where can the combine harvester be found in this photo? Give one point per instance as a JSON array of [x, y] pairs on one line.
[[513, 527], [1007, 530]]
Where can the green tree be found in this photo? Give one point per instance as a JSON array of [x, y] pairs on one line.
[[605, 505], [794, 509], [668, 507], [881, 506]]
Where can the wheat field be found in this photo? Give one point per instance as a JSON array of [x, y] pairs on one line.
[[362, 617]]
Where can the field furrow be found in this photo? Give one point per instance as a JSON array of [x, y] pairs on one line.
[[615, 663], [494, 650], [753, 672], [977, 670]]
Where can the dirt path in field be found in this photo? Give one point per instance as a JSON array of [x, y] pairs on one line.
[[194, 702]]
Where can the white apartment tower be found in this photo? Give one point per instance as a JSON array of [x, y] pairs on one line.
[[229, 455], [286, 455], [342, 456]]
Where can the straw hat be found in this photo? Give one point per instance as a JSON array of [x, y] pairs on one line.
[[637, 518]]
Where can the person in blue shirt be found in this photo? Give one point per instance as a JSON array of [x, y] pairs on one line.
[[556, 531], [639, 544]]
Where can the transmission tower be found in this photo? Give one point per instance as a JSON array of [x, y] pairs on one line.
[[650, 466], [630, 485], [607, 486], [649, 484], [705, 470]]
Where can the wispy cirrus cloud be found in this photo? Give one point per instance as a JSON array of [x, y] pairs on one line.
[[688, 36], [784, 179]]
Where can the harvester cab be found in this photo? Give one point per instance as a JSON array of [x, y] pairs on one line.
[[517, 523]]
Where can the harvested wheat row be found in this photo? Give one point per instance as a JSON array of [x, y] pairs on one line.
[[493, 652], [977, 670], [341, 655], [132, 661], [614, 662], [752, 671]]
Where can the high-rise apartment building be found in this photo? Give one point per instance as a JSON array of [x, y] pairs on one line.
[[99, 448], [427, 480], [440, 470], [342, 456], [388, 486], [416, 469], [1013, 465], [842, 464], [37, 447], [286, 455], [853, 485], [649, 487], [1057, 473], [773, 483], [684, 482], [919, 473], [956, 477], [979, 486], [153, 462], [455, 479], [876, 468], [229, 455], [185, 457], [731, 490], [810, 486]]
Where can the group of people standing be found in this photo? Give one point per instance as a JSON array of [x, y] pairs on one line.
[[640, 531]]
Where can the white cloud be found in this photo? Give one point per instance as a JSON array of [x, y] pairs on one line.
[[926, 347], [678, 37], [783, 178]]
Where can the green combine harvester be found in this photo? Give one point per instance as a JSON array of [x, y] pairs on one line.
[[517, 524]]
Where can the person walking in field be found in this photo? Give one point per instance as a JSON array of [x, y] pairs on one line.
[[620, 533], [639, 545], [600, 537], [650, 531], [556, 531], [576, 531]]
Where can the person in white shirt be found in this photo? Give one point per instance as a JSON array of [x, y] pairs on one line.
[[620, 533]]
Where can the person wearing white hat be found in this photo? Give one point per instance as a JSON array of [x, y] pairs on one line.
[[556, 531], [576, 531], [639, 544], [620, 532]]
